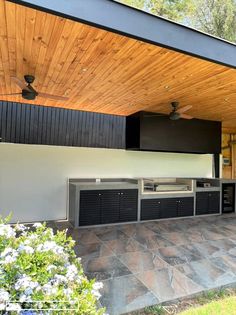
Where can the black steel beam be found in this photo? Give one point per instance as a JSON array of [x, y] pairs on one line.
[[119, 18]]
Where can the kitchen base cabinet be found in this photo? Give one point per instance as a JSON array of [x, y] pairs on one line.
[[128, 205], [214, 202], [162, 208], [185, 207], [110, 206], [169, 208], [207, 202], [107, 206], [150, 209], [89, 210]]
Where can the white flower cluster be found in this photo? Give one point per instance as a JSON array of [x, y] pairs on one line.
[[25, 282], [25, 248], [72, 273], [4, 296], [4, 302], [96, 287], [21, 227], [49, 289], [7, 231], [37, 225], [31, 237], [18, 257], [8, 256], [51, 246], [13, 307]]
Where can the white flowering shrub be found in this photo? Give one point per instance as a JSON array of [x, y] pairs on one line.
[[40, 273]]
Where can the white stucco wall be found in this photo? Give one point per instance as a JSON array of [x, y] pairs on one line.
[[33, 178]]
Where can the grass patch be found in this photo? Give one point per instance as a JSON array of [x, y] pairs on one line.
[[211, 295], [155, 310], [226, 306], [213, 302]]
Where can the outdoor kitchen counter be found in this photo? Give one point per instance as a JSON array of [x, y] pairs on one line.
[[105, 184]]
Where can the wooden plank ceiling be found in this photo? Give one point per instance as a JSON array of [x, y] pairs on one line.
[[108, 73]]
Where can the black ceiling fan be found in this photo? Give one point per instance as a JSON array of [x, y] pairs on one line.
[[29, 93], [176, 112]]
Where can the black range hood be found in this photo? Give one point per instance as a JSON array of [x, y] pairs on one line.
[[150, 132]]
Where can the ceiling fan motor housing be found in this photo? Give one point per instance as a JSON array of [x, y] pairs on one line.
[[28, 95], [174, 115]]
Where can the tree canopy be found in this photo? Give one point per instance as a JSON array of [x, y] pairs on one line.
[[215, 17]]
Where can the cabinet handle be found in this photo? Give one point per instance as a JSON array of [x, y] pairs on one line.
[[99, 194], [122, 193], [118, 193]]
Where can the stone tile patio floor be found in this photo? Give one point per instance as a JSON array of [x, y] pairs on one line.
[[148, 263]]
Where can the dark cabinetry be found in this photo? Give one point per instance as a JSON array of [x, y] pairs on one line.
[[145, 130], [169, 207], [128, 205], [89, 207], [207, 202], [152, 209], [185, 207], [107, 206]]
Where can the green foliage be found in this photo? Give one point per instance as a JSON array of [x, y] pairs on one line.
[[226, 306], [139, 4], [211, 295], [38, 265], [155, 310], [215, 17], [175, 10], [172, 9]]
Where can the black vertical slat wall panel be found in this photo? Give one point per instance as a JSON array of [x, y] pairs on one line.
[[33, 124]]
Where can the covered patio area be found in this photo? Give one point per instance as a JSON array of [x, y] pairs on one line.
[[102, 68], [158, 261]]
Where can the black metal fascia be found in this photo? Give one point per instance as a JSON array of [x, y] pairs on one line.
[[122, 19]]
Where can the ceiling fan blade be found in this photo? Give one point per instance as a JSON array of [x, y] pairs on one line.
[[184, 109], [185, 116], [54, 97], [20, 83], [11, 94]]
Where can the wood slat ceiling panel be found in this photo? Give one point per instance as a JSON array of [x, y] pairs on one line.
[[108, 73]]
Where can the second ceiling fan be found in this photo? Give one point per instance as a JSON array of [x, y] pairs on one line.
[[176, 112]]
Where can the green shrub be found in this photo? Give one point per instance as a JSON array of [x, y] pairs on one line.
[[40, 273]]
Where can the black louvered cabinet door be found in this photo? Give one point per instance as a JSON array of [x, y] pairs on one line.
[[110, 206], [128, 205], [150, 209], [89, 210], [169, 207], [214, 202], [201, 203], [185, 207]]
